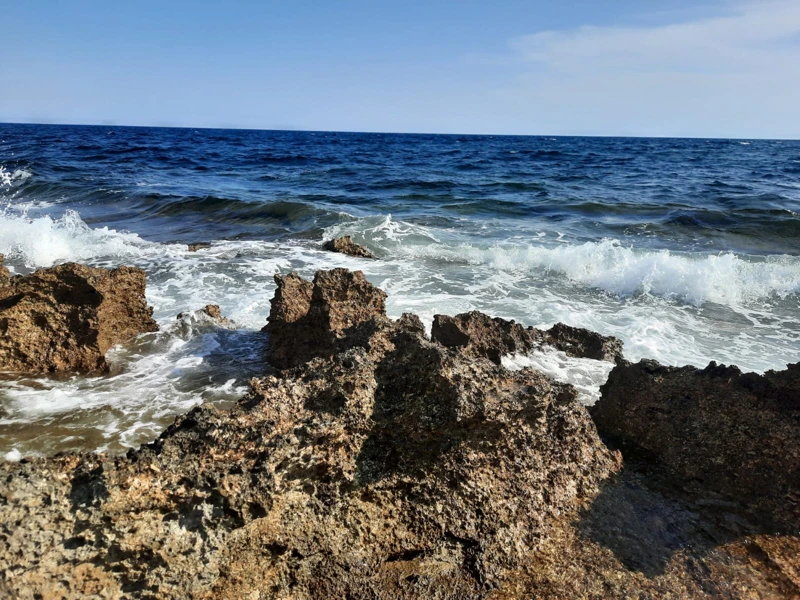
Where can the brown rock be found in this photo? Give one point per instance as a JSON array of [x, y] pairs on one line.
[[405, 472], [199, 246], [582, 343], [5, 274], [308, 320], [389, 467], [65, 318], [210, 312], [345, 245], [477, 334], [719, 430]]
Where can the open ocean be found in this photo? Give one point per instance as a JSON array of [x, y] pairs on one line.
[[688, 250]]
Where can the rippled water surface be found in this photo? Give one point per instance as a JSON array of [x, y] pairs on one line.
[[686, 249]]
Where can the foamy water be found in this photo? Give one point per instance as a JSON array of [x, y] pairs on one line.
[[671, 287], [648, 299]]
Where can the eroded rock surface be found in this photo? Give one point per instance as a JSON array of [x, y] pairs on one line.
[[477, 334], [5, 274], [345, 245], [392, 469], [307, 320], [385, 466], [583, 343], [717, 429], [66, 317]]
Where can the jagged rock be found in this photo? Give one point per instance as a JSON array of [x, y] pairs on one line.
[[66, 317], [404, 471], [199, 246], [308, 320], [210, 313], [345, 245], [5, 274], [388, 467], [477, 334], [717, 429], [582, 343]]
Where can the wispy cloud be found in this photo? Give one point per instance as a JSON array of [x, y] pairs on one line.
[[735, 72]]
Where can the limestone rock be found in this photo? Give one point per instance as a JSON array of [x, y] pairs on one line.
[[345, 245], [582, 343], [405, 471], [717, 429], [477, 334], [390, 466], [66, 317], [210, 314], [5, 274], [308, 320]]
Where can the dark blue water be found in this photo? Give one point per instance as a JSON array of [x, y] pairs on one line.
[[177, 184], [688, 250]]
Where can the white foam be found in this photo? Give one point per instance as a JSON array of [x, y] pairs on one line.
[[661, 304], [585, 374], [13, 455], [44, 241], [9, 179], [608, 265]]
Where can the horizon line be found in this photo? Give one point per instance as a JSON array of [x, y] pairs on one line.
[[352, 132]]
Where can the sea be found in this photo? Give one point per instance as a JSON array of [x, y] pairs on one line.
[[686, 249]]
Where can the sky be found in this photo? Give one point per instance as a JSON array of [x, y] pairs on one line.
[[719, 68]]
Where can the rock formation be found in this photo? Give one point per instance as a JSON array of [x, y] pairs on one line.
[[66, 317], [382, 465], [477, 334], [5, 274], [392, 468], [345, 245], [717, 429], [199, 246], [338, 310]]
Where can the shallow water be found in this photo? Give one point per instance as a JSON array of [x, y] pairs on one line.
[[685, 249]]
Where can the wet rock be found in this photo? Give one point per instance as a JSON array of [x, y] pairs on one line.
[[210, 313], [345, 245], [335, 311], [477, 334], [388, 466], [66, 317], [5, 274], [199, 246], [582, 343], [718, 430], [399, 471]]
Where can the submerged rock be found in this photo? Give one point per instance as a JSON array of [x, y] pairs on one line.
[[477, 334], [345, 245], [211, 313], [66, 317], [199, 246], [716, 429]]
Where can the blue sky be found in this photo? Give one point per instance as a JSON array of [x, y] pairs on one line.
[[575, 67]]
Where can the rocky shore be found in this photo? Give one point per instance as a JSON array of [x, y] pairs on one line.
[[378, 462]]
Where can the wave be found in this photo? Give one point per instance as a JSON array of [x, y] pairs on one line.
[[44, 241], [608, 265]]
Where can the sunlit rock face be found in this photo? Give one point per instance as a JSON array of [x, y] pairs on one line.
[[66, 317]]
